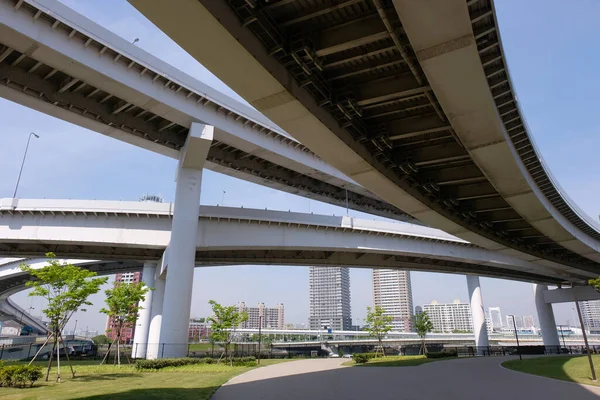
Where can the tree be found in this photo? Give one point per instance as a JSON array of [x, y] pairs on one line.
[[595, 283], [66, 288], [423, 326], [123, 305], [100, 340], [224, 322], [378, 324]]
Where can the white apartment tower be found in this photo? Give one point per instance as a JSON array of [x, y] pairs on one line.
[[329, 303], [450, 317], [392, 291], [590, 312], [265, 317]]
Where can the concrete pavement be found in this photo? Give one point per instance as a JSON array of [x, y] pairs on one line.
[[462, 379]]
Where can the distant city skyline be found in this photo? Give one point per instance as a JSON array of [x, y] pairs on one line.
[[70, 162]]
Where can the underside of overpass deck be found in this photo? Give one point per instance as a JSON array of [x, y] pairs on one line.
[[351, 64]]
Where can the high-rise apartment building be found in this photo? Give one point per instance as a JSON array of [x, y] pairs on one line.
[[495, 319], [128, 330], [392, 291], [450, 317], [268, 317], [590, 312], [329, 303]]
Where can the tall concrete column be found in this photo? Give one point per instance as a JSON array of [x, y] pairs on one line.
[[156, 310], [142, 323], [478, 313], [545, 316], [181, 252]]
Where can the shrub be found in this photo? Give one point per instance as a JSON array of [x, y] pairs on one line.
[[365, 357], [442, 354], [19, 375], [178, 362]]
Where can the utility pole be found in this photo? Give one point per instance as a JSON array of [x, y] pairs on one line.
[[23, 162]]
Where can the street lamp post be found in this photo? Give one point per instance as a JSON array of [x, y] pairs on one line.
[[259, 336], [517, 337], [21, 319], [563, 336], [23, 162]]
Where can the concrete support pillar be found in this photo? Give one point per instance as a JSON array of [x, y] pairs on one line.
[[156, 309], [142, 324], [545, 316], [478, 313], [181, 252]]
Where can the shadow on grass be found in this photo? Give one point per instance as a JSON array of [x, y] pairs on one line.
[[158, 393], [103, 377]]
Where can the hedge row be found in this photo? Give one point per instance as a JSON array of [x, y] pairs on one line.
[[362, 358], [19, 375], [178, 362], [442, 354]]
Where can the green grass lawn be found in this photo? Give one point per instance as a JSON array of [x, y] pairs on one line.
[[396, 361], [93, 381], [566, 368]]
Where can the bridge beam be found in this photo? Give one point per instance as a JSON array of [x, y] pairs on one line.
[[478, 313], [142, 324], [181, 252], [545, 316]]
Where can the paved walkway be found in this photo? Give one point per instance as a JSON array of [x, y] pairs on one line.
[[462, 379]]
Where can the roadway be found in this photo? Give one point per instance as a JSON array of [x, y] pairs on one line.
[[412, 100], [462, 379], [134, 231]]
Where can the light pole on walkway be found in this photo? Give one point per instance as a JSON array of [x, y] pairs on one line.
[[516, 336], [23, 162]]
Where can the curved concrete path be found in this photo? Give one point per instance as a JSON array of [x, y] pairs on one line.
[[462, 379]]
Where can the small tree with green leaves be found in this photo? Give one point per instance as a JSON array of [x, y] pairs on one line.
[[423, 326], [100, 340], [224, 322], [66, 288], [378, 324], [595, 283], [122, 306]]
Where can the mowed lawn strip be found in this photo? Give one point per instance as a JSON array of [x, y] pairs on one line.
[[397, 361], [93, 381], [565, 368]]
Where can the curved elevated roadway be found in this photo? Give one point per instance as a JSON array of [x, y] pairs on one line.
[[412, 100], [60, 63], [138, 231]]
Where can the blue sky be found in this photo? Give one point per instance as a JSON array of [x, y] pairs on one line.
[[547, 46]]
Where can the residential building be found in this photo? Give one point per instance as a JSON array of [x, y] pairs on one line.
[[590, 313], [528, 321], [450, 317], [392, 291], [329, 298], [267, 317], [519, 322], [198, 329], [495, 319], [128, 330]]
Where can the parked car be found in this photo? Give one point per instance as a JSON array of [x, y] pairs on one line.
[[334, 355], [347, 355]]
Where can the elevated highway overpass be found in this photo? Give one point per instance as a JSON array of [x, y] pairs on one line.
[[412, 100], [139, 231], [128, 236], [60, 63]]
